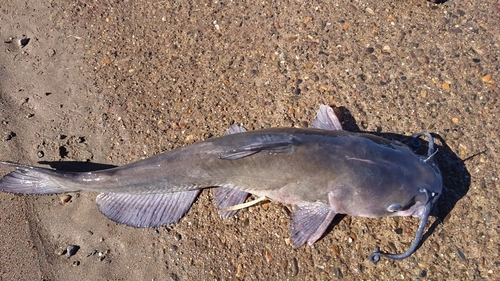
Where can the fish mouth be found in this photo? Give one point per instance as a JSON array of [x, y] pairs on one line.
[[421, 212]]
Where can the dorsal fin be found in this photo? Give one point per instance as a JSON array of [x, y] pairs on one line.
[[326, 119]]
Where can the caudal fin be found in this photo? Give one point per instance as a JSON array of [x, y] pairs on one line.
[[31, 180]]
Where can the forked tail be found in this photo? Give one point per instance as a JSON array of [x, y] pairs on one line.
[[33, 180]]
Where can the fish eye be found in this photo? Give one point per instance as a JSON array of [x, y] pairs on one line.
[[394, 207]]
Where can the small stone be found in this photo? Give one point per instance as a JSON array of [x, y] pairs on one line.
[[345, 26], [61, 251], [336, 249], [353, 236], [294, 270], [65, 198], [369, 50], [76, 263], [455, 120], [435, 246], [287, 241], [423, 93], [337, 272], [239, 271], [51, 52], [71, 250], [460, 254], [10, 136], [40, 154], [190, 138], [105, 61], [267, 255], [486, 78], [265, 206], [177, 236], [23, 42], [446, 86], [361, 88]]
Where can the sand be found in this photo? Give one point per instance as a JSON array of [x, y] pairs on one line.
[[114, 82]]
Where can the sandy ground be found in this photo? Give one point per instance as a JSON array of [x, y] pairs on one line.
[[111, 82]]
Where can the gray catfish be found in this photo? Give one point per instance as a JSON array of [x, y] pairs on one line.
[[322, 171]]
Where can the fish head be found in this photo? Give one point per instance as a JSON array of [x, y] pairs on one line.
[[416, 192], [402, 188]]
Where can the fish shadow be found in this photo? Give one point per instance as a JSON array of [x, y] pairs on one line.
[[75, 166], [456, 178]]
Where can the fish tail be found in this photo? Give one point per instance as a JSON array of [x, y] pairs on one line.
[[33, 180]]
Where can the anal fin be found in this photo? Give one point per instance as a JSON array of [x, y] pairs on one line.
[[226, 197], [309, 222], [146, 210]]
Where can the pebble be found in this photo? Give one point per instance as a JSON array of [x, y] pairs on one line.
[[336, 249], [10, 135], [446, 86], [267, 255], [460, 254], [23, 42], [177, 236], [71, 250], [486, 78], [40, 154], [294, 267], [487, 217], [435, 246], [337, 272], [65, 198], [239, 271], [360, 88], [61, 251]]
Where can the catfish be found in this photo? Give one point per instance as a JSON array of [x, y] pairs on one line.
[[320, 171]]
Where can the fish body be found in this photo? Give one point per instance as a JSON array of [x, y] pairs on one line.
[[321, 171]]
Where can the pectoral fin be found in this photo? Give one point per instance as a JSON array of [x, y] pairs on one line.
[[146, 210], [309, 222]]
